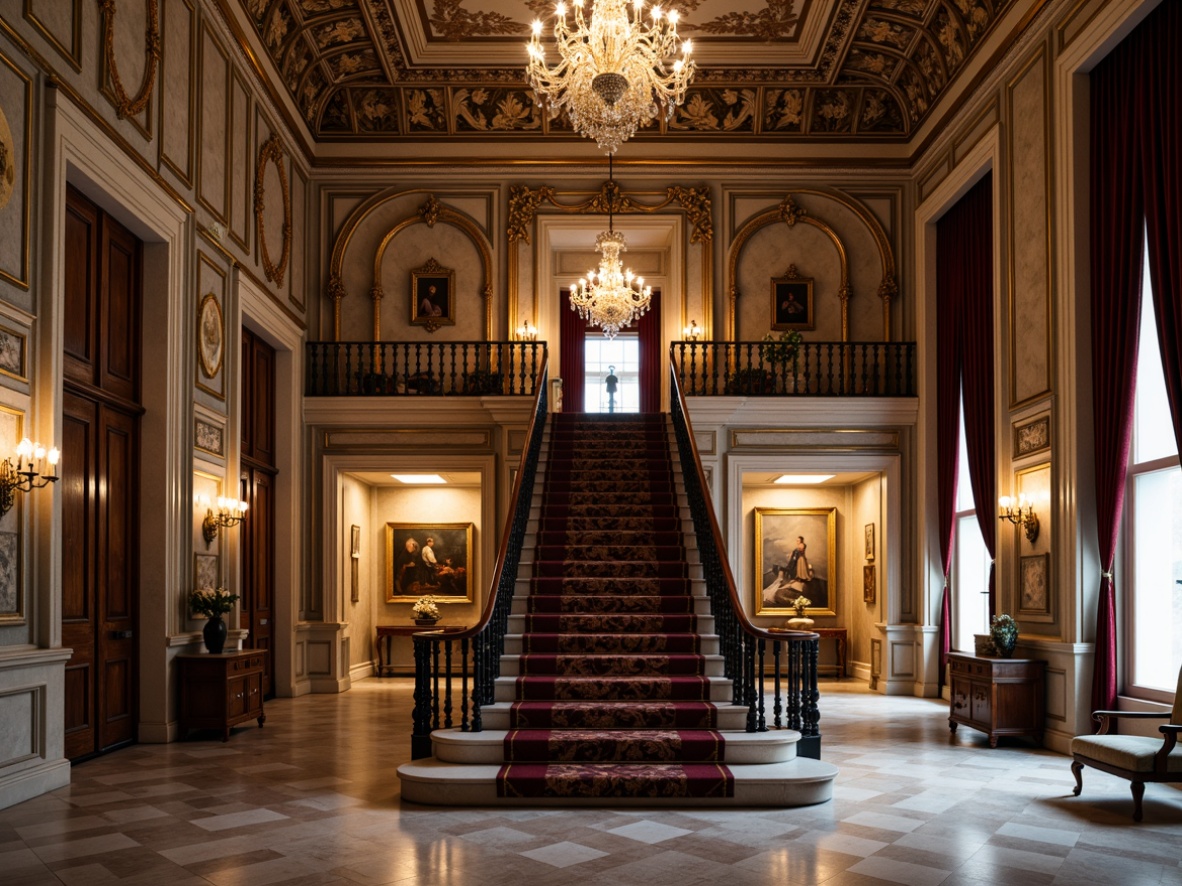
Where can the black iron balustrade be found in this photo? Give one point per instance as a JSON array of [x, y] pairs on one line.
[[816, 369], [458, 669], [394, 369], [744, 646]]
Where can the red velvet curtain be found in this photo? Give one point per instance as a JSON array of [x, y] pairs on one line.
[[1117, 220], [648, 328], [964, 364], [572, 333], [948, 357], [1161, 78], [1136, 187], [976, 330]]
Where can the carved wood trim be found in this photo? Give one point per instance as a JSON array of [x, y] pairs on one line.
[[272, 152]]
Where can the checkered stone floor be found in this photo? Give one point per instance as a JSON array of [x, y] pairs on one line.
[[312, 799]]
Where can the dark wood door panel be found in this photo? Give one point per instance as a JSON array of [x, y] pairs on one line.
[[79, 337], [263, 406], [119, 312], [118, 702]]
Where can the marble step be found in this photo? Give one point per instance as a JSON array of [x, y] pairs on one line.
[[510, 666], [488, 747], [720, 690], [797, 782], [731, 717]]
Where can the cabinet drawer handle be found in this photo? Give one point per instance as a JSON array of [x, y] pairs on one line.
[[262, 621]]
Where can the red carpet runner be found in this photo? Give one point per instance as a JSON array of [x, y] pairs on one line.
[[612, 697]]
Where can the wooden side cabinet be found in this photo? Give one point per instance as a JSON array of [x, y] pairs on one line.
[[999, 696], [220, 691]]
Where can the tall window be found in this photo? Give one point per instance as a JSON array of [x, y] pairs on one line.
[[619, 356], [970, 560], [1153, 526]]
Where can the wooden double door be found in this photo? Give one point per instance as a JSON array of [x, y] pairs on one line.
[[100, 471]]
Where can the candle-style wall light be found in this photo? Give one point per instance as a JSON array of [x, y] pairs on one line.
[[1020, 513], [28, 473], [230, 512]]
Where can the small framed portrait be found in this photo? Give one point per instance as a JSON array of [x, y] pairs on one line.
[[792, 301], [795, 556], [869, 584], [869, 541], [355, 563], [429, 558], [210, 335], [432, 291]]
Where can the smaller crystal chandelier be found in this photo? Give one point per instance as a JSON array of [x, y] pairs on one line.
[[612, 76], [612, 298]]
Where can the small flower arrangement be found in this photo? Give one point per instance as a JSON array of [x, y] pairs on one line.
[[1004, 633], [211, 602], [800, 604], [780, 350], [426, 607]]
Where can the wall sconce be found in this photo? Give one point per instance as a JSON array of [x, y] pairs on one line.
[[1020, 513], [230, 512], [28, 472], [693, 332], [527, 331]]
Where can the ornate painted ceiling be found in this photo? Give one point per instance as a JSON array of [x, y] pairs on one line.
[[768, 70]]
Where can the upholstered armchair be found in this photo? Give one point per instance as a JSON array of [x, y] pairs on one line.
[[1135, 757]]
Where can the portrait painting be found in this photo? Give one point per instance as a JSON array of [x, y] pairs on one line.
[[431, 289], [429, 558], [869, 541], [355, 563], [869, 584], [792, 302], [795, 556]]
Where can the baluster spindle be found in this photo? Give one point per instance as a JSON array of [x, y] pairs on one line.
[[447, 684]]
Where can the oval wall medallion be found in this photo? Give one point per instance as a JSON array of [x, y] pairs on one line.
[[272, 152], [129, 106], [7, 161], [210, 339]]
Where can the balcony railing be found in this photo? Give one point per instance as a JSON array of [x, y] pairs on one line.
[[817, 369], [401, 369]]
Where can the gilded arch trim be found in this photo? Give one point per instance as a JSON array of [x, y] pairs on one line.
[[525, 203], [430, 213]]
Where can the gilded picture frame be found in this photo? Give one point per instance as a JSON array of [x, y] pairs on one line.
[[432, 291], [211, 337], [780, 574], [1033, 580], [869, 583], [409, 572], [792, 302]]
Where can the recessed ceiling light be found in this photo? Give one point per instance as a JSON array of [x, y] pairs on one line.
[[419, 479], [801, 479]]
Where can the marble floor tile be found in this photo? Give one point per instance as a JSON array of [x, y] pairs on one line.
[[273, 806]]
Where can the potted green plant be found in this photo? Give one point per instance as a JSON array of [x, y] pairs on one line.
[[780, 350]]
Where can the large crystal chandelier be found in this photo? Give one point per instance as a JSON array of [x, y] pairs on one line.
[[613, 75], [613, 297]]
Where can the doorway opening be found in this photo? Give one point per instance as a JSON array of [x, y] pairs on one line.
[[604, 358]]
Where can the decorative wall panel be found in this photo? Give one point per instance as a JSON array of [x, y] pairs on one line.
[[214, 158], [178, 96], [60, 23], [209, 327], [16, 127], [241, 184]]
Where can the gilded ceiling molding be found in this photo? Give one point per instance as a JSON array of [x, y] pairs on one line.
[[790, 213], [525, 203], [272, 152], [126, 106], [431, 213]]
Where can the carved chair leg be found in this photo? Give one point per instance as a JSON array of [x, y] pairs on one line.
[[1077, 771], [1138, 793]]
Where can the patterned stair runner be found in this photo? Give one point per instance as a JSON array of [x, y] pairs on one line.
[[612, 697]]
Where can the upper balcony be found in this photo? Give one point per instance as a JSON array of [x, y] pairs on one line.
[[704, 369]]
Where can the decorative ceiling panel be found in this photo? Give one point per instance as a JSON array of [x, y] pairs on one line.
[[767, 69]]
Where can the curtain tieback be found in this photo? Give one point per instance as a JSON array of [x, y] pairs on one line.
[[1107, 575]]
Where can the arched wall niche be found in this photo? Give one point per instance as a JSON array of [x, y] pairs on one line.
[[385, 237], [533, 211], [830, 237]]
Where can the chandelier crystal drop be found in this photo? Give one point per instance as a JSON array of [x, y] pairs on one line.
[[613, 74]]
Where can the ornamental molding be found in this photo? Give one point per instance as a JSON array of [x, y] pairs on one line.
[[272, 152], [125, 105]]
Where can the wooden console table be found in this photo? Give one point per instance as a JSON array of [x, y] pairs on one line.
[[998, 696], [838, 636], [220, 690], [387, 633]]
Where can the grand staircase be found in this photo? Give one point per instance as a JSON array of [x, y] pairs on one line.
[[612, 689]]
